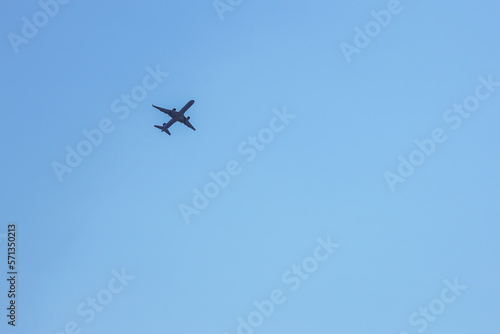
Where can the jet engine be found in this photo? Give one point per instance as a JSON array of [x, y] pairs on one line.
[[187, 118]]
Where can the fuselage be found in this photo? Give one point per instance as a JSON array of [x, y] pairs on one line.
[[177, 116], [181, 118]]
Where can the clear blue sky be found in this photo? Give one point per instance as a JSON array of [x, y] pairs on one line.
[[354, 119]]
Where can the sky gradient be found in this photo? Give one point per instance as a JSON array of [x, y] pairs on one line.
[[342, 178]]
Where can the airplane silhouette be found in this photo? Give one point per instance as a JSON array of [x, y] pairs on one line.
[[177, 116]]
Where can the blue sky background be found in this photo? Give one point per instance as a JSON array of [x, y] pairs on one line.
[[322, 175]]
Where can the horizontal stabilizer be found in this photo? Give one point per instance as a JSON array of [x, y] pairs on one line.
[[163, 128]]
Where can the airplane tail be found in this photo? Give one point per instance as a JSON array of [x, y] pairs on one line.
[[163, 129]]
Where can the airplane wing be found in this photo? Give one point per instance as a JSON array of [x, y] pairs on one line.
[[189, 125], [166, 111], [186, 107]]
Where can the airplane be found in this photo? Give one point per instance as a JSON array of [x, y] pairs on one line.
[[177, 116]]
